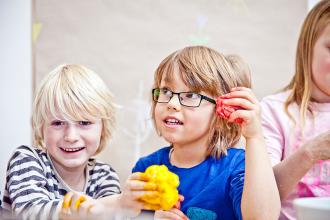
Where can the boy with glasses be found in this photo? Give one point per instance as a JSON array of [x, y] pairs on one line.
[[217, 181]]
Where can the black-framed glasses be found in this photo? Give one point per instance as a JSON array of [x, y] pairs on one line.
[[189, 99]]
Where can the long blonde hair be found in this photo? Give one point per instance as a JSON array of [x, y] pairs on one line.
[[301, 83], [74, 93], [204, 69]]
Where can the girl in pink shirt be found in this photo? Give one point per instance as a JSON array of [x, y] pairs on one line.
[[296, 122]]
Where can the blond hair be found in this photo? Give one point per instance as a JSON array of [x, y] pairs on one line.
[[204, 69], [241, 68], [73, 93], [301, 83]]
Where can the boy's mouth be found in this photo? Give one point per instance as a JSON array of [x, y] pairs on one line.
[[173, 121], [71, 150]]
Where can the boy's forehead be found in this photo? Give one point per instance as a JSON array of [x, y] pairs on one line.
[[174, 82], [66, 116], [172, 77]]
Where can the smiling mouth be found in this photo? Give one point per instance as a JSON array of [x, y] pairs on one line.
[[173, 122], [71, 150]]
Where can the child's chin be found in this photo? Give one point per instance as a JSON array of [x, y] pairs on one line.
[[170, 139], [75, 163]]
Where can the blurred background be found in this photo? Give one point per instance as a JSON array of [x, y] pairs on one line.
[[124, 41]]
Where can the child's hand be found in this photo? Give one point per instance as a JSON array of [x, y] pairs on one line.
[[136, 187], [243, 107], [224, 111], [319, 147], [173, 213], [76, 205]]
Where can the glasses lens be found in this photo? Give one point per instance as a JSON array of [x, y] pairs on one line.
[[162, 95], [190, 99], [155, 94]]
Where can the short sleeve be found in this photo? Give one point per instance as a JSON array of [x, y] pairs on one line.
[[271, 125]]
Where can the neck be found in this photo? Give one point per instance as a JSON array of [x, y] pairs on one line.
[[74, 177], [187, 156]]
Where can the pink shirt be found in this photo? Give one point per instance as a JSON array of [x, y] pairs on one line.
[[283, 138]]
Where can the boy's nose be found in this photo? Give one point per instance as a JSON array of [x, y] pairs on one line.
[[174, 103], [71, 133]]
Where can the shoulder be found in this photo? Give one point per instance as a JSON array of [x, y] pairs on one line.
[[27, 150], [280, 97], [233, 160], [28, 164], [273, 110], [103, 179], [235, 157], [25, 154], [99, 169], [158, 157]]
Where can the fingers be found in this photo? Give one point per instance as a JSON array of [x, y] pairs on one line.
[[241, 116], [178, 204], [76, 204], [144, 194], [318, 147], [79, 200], [241, 102], [76, 200], [148, 206], [138, 176], [242, 93], [244, 98], [67, 200], [139, 181], [136, 185]]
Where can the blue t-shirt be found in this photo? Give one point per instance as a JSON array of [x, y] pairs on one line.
[[212, 189]]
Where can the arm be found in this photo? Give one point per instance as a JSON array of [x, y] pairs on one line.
[[288, 174], [26, 187], [128, 203], [260, 198], [103, 185]]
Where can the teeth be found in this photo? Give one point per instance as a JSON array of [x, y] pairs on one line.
[[72, 149], [173, 121]]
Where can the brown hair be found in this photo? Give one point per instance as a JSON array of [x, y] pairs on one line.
[[301, 83], [204, 69]]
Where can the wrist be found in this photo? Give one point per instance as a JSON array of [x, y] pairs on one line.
[[309, 155]]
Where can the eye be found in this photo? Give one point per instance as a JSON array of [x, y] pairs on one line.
[[57, 123], [84, 123], [191, 95], [166, 91]]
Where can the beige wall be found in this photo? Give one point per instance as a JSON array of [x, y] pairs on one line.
[[125, 40]]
